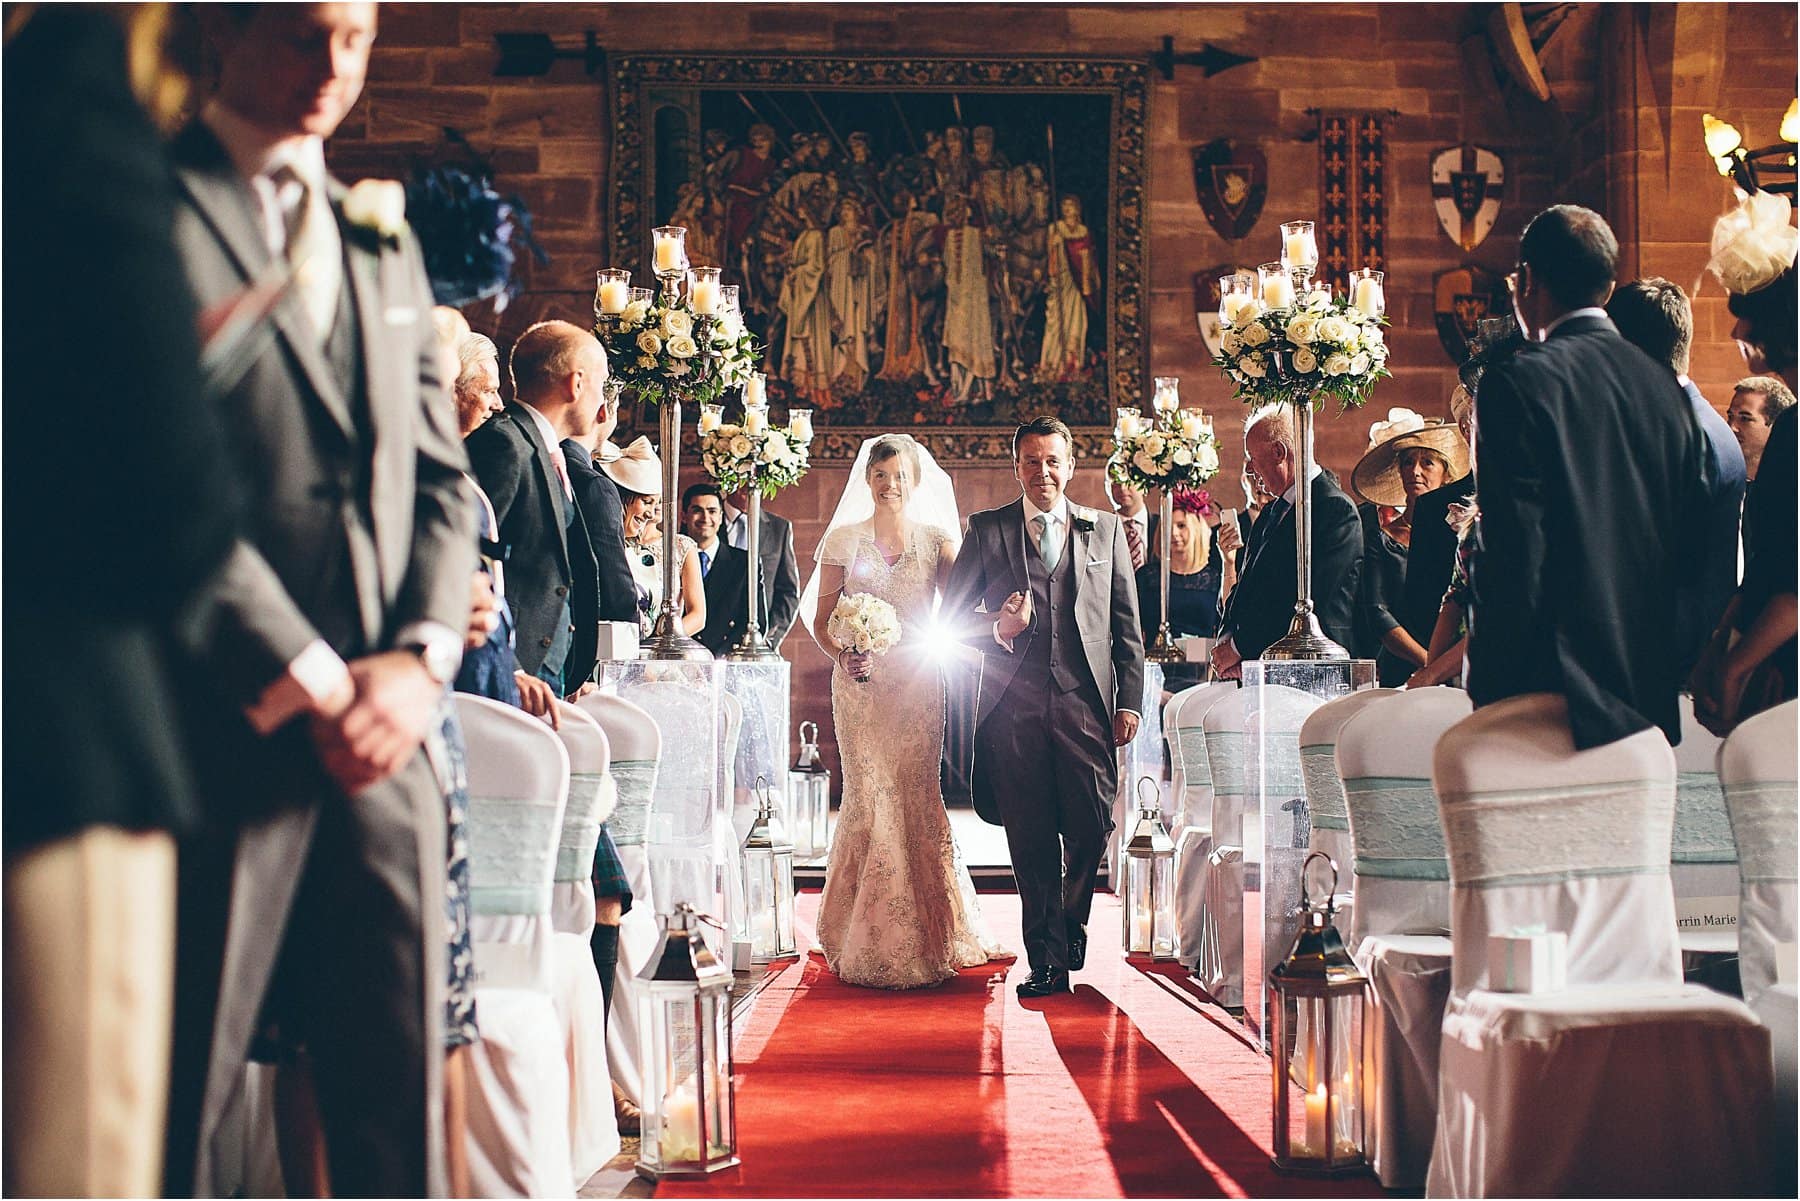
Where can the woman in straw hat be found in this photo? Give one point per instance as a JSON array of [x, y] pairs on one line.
[[637, 471], [1407, 457]]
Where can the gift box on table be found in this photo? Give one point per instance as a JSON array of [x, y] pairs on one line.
[[1528, 961]]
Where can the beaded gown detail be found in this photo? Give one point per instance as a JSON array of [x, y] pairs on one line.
[[899, 909]]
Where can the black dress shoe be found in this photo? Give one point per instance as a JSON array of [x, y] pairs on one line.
[[1077, 946], [1044, 982]]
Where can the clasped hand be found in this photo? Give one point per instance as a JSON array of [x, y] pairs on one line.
[[368, 731], [1015, 616]]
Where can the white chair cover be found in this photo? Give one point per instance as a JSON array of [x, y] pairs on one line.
[[1401, 936], [1757, 768], [518, 1136], [1330, 830], [1218, 951], [1629, 1081], [1171, 712], [1703, 858], [1193, 837], [636, 749], [580, 1001]]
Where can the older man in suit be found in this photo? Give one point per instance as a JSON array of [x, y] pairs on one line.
[[336, 624], [1261, 607], [559, 374], [1592, 488]]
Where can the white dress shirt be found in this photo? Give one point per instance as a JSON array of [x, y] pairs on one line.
[[1588, 311]]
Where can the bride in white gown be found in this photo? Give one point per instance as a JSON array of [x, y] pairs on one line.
[[899, 910]]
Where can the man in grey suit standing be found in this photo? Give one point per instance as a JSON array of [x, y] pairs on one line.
[[1047, 590], [333, 627]]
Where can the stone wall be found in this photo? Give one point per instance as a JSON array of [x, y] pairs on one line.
[[1600, 142]]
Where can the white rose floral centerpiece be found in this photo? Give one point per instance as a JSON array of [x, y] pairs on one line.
[[1319, 347], [754, 453], [660, 347], [1172, 447]]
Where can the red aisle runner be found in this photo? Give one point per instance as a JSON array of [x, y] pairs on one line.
[[1130, 1087]]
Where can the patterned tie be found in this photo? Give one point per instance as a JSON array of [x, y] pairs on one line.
[[1134, 538], [313, 251], [1049, 549]]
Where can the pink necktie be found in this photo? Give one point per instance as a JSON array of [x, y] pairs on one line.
[[562, 472]]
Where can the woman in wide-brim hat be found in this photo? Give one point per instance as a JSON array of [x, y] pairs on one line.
[[637, 472], [1408, 456]]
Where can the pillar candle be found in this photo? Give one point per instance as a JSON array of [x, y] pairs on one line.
[[1300, 252], [668, 254], [756, 419], [1278, 292], [1318, 1130], [703, 297], [1368, 297], [612, 295], [800, 424], [753, 390]]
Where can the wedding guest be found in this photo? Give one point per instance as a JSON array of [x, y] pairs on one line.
[[1140, 524], [778, 569], [98, 783], [1408, 458], [1194, 575], [1756, 401], [1654, 315], [334, 626], [477, 382], [559, 374], [638, 473], [1591, 491], [1431, 551], [723, 568], [1261, 607], [602, 511]]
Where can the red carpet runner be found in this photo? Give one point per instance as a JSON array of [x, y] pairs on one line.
[[1130, 1087]]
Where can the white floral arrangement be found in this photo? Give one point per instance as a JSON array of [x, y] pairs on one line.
[[865, 624], [1323, 347], [1173, 448], [663, 350], [756, 454]]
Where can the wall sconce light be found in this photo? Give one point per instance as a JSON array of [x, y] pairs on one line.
[[1769, 168]]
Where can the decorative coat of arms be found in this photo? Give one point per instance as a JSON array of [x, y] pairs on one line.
[[1231, 182], [1465, 189], [1462, 297], [1206, 301]]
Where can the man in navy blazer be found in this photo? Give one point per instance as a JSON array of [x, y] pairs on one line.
[[1589, 470]]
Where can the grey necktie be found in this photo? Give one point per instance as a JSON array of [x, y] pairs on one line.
[[1049, 547], [313, 251]]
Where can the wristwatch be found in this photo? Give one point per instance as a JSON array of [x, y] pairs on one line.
[[439, 657]]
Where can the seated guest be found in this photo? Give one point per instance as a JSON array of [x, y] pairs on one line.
[[1140, 524], [1654, 316], [559, 374], [1194, 574], [1261, 608], [723, 568], [1591, 483], [1408, 458], [778, 569], [638, 474]]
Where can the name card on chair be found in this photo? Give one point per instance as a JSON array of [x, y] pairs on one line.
[[1534, 961], [1709, 914]]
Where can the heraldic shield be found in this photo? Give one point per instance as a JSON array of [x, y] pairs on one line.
[[1462, 297], [1206, 301], [1466, 183], [1231, 182]]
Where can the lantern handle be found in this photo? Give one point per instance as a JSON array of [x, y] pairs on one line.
[[1155, 801], [1305, 901], [764, 800], [814, 739]]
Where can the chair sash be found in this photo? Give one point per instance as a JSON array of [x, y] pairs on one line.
[[1324, 791], [1396, 828], [581, 826], [1190, 745], [635, 780], [1702, 826], [512, 854], [1764, 822], [1544, 835]]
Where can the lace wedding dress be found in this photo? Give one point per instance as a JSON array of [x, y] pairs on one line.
[[899, 909]]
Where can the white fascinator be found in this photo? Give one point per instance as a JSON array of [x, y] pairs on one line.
[[1753, 243]]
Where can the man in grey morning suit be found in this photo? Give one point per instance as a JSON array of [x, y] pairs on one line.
[[334, 626], [1047, 592]]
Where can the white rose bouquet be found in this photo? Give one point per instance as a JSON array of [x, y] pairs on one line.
[[865, 624], [1322, 347], [660, 350], [768, 458], [1171, 448]]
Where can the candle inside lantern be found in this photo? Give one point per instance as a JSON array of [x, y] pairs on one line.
[[669, 253], [680, 1141], [614, 291], [754, 393], [703, 290], [800, 424], [1318, 1128], [1140, 929]]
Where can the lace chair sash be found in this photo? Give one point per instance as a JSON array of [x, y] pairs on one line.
[[512, 854], [636, 782], [581, 826], [1225, 753], [1702, 827], [1190, 742], [1764, 823], [1537, 836], [1324, 791], [1395, 828]]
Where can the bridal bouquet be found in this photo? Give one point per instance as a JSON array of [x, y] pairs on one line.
[[865, 624], [667, 349], [755, 453], [1321, 346]]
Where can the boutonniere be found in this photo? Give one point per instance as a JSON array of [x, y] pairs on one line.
[[377, 205], [1083, 518]]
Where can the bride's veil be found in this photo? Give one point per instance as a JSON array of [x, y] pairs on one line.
[[933, 503]]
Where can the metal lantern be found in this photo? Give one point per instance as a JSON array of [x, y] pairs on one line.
[[684, 1007], [809, 798], [1149, 895], [1316, 1044], [768, 867]]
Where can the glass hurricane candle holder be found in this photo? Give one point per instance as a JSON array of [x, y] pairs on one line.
[[1367, 291], [1148, 898], [1167, 397], [668, 251], [1275, 285], [612, 291], [703, 291], [1299, 247], [728, 299], [644, 294], [1237, 297]]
